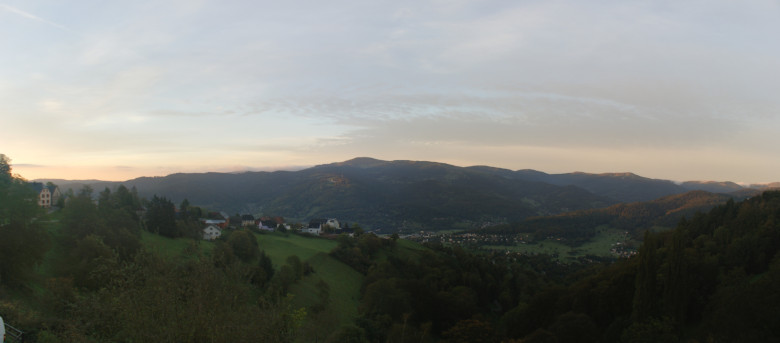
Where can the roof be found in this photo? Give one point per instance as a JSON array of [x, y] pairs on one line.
[[36, 186], [39, 186], [247, 217], [316, 223]]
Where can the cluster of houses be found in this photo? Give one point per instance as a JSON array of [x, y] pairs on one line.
[[318, 226], [213, 227], [49, 194]]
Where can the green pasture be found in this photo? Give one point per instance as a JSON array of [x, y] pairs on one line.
[[599, 245], [343, 287], [280, 246], [173, 247]]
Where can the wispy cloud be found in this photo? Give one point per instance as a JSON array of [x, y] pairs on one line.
[[149, 83], [31, 16]]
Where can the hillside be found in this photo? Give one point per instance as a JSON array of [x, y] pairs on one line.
[[714, 278], [620, 187], [712, 186], [93, 272], [377, 194], [579, 226], [408, 195]]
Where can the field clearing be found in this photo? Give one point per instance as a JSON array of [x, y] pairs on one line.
[[414, 246], [343, 282], [549, 247], [599, 245], [280, 246], [343, 287], [173, 247]]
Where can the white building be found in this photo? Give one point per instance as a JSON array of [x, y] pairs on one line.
[[211, 232], [312, 230]]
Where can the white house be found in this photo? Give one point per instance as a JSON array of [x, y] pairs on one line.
[[332, 223], [312, 230], [324, 224], [211, 232]]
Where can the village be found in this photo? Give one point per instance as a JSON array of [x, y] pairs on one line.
[[216, 222], [519, 243]]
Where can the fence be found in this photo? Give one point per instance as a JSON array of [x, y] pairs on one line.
[[13, 334]]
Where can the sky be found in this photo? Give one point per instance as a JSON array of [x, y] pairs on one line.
[[113, 90]]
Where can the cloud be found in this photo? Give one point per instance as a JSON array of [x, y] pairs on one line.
[[31, 16], [28, 165], [147, 82]]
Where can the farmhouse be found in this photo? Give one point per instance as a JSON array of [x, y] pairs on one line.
[[47, 194], [211, 232], [221, 223], [317, 226], [247, 220]]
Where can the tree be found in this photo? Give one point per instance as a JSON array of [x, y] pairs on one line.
[[184, 209], [161, 217], [244, 245], [22, 241], [645, 296], [264, 270], [575, 327], [470, 331], [80, 218], [5, 169]]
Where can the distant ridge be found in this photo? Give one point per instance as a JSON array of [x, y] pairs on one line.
[[712, 186], [621, 187], [362, 162], [406, 194]]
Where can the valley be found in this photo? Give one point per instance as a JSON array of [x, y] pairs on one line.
[[449, 255]]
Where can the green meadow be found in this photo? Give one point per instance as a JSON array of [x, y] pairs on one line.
[[599, 245], [343, 281]]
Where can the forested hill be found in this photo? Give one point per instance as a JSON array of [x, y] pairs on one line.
[[579, 226], [715, 278], [628, 187], [403, 194], [621, 187], [377, 194]]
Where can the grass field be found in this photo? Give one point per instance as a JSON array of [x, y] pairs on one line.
[[172, 247], [280, 246], [343, 281], [599, 245]]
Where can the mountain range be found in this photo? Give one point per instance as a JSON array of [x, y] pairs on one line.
[[407, 194]]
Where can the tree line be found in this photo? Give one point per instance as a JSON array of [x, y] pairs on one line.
[[715, 277], [99, 283]]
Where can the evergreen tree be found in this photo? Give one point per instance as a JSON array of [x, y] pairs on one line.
[[161, 217], [645, 294]]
